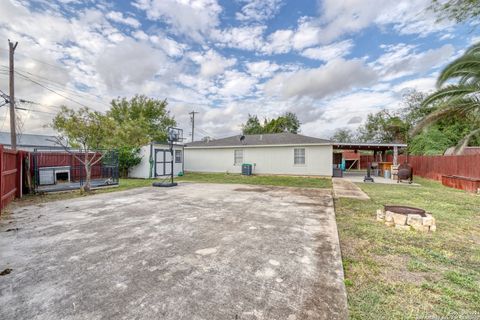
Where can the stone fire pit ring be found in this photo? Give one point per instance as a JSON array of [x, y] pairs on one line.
[[406, 218]]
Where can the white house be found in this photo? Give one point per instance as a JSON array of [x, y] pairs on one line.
[[279, 153], [156, 161]]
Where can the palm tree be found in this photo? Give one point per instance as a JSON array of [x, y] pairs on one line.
[[460, 98]]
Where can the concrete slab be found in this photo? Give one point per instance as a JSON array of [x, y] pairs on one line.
[[358, 176], [343, 188], [197, 251]]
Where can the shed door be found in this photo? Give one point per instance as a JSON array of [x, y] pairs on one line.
[[163, 162]]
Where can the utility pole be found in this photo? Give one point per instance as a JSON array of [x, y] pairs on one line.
[[193, 122], [13, 133]]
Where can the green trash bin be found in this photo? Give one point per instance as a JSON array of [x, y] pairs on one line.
[[247, 169]]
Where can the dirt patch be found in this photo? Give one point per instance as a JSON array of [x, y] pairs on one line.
[[395, 269], [5, 272]]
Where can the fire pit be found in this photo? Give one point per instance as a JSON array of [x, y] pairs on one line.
[[406, 218], [405, 210]]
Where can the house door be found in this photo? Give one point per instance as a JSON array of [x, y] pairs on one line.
[[163, 162]]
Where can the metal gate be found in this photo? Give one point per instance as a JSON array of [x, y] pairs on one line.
[[163, 162], [60, 170]]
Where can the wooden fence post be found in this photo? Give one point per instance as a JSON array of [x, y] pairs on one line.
[[19, 177]]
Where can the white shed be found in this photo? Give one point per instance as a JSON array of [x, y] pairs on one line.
[[280, 153], [156, 161]]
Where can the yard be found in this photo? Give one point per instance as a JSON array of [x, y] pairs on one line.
[[196, 251], [388, 273], [126, 184], [394, 274]]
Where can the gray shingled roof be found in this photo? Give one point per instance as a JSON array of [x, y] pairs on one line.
[[285, 138], [28, 140]]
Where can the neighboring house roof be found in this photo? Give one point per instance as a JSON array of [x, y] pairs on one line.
[[269, 139], [29, 140]]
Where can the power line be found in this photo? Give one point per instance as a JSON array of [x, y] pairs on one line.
[[205, 133], [62, 87], [39, 61], [51, 90], [7, 100], [59, 87], [40, 104]]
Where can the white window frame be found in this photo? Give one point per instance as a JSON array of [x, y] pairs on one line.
[[298, 157], [181, 156], [236, 157]]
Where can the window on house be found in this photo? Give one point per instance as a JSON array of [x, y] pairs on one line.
[[238, 157], [178, 156], [299, 156]]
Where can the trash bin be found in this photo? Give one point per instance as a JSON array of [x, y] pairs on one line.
[[247, 169], [387, 174], [337, 172]]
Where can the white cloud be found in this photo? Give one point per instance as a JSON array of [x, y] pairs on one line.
[[334, 77], [129, 63], [236, 84], [338, 111], [329, 52], [402, 60], [246, 38], [262, 69], [258, 10], [426, 84], [211, 63], [307, 34], [191, 18], [119, 18], [168, 45], [279, 42]]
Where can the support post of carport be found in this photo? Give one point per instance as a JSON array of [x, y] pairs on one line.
[[395, 155]]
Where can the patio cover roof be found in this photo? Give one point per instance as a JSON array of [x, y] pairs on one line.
[[367, 146]]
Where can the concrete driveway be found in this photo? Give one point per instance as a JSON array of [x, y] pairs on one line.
[[197, 251]]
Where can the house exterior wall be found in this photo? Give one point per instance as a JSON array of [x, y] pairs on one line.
[[144, 169], [265, 160]]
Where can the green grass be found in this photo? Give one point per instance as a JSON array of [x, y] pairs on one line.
[[407, 275], [286, 181], [126, 184]]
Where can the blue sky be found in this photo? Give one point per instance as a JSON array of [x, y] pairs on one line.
[[331, 62]]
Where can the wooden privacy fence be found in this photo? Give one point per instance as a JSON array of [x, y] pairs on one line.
[[434, 167], [10, 175]]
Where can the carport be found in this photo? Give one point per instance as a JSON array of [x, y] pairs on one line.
[[380, 158]]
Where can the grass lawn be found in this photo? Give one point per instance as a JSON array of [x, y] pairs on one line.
[[126, 184], [392, 274], [286, 181]]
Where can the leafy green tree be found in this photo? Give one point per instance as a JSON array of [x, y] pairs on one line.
[[456, 10], [290, 123], [252, 126], [86, 130], [383, 127], [343, 135], [430, 142], [461, 98], [287, 122], [141, 111], [140, 120]]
